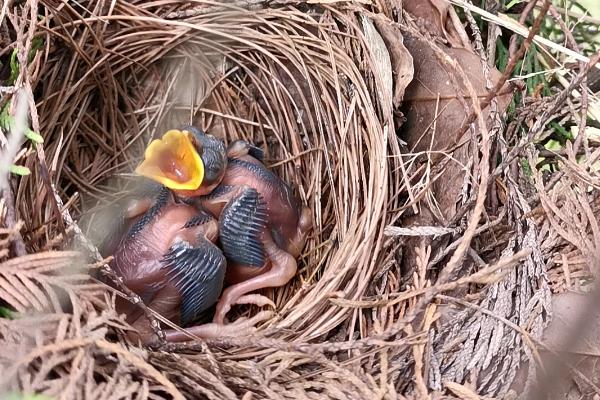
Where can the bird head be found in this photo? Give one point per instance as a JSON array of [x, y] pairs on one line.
[[175, 160]]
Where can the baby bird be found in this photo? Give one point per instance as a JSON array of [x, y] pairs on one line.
[[262, 225], [168, 257]]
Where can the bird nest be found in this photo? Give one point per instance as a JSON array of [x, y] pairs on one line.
[[318, 87]]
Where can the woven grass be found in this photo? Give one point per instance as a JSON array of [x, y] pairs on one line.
[[322, 154], [312, 84]]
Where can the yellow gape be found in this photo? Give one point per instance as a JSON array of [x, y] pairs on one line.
[[173, 161]]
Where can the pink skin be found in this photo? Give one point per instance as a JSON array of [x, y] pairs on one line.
[[279, 268], [277, 271], [136, 260], [285, 213]]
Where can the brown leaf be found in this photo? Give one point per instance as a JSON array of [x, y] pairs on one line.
[[432, 79], [434, 16], [402, 60], [381, 64], [434, 107], [580, 349], [29, 283], [566, 308], [432, 101]]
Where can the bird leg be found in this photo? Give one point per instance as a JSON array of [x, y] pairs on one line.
[[243, 326], [283, 268], [305, 224], [138, 207], [256, 299], [166, 304]]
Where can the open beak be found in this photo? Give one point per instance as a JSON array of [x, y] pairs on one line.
[[173, 161]]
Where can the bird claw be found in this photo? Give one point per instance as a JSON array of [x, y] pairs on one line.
[[223, 308], [249, 323], [240, 327], [225, 304], [256, 299]]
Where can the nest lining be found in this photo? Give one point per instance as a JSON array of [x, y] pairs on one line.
[[311, 87], [300, 85]]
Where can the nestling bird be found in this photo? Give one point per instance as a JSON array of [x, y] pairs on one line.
[[262, 225], [169, 258]]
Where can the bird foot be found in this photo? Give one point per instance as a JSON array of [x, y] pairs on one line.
[[256, 299], [228, 300], [242, 326], [223, 307]]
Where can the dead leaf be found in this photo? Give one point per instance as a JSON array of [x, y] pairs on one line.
[[583, 353], [402, 60], [435, 17], [381, 63], [434, 108], [566, 309], [432, 101], [432, 81]]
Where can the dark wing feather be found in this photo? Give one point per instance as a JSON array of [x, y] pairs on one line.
[[256, 152], [240, 228], [161, 200], [250, 148], [219, 191], [200, 219], [110, 225], [198, 272], [212, 152]]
